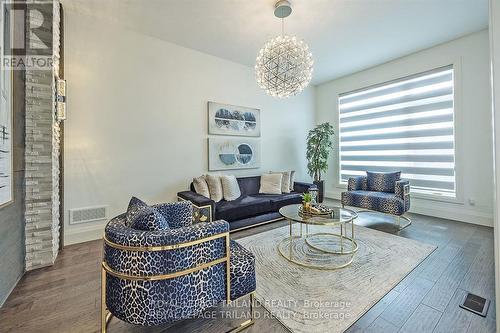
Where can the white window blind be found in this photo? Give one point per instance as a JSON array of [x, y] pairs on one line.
[[403, 125]]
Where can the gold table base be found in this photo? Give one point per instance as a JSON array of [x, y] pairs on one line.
[[348, 247]]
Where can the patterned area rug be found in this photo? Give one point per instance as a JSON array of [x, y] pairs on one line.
[[312, 300]]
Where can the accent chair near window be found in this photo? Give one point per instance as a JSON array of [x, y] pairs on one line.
[[380, 192]]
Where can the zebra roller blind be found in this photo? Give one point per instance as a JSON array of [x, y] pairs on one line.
[[406, 125]]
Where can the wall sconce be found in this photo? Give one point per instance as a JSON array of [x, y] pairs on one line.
[[61, 99]]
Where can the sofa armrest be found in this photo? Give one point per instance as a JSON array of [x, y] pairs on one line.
[[203, 207], [402, 189], [357, 183], [302, 187]]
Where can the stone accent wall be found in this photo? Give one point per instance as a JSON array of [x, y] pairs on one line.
[[42, 154]]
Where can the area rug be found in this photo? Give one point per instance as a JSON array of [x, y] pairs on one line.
[[311, 300]]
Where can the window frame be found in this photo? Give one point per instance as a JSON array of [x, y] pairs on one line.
[[401, 71]]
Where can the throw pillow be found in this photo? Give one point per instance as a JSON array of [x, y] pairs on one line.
[[230, 188], [382, 181], [201, 186], [134, 206], [270, 183], [214, 187], [285, 181], [292, 180], [149, 219]]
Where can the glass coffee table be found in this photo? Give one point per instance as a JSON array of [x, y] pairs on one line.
[[321, 241]]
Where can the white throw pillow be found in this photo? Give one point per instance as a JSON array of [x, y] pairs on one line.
[[230, 188], [270, 183], [214, 187], [201, 186], [285, 181], [292, 180]]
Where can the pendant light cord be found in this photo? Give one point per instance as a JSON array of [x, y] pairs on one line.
[[282, 26]]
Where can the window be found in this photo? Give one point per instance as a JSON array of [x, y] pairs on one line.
[[406, 125]]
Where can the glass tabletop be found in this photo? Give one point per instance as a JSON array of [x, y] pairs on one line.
[[339, 215]]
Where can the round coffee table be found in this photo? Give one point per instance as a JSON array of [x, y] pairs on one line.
[[327, 250]]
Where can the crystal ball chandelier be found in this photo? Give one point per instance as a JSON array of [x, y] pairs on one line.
[[284, 65]]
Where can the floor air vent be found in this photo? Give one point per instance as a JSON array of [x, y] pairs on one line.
[[88, 214], [475, 304]]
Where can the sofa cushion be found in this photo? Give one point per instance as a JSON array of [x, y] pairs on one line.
[[281, 200], [214, 187], [271, 183], [230, 188], [285, 180], [249, 185], [201, 187], [242, 207], [382, 181], [378, 201]]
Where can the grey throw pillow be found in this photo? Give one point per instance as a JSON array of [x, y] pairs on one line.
[[201, 186], [285, 181], [270, 183], [292, 180], [214, 187], [230, 188]]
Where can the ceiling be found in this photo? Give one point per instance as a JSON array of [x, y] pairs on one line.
[[345, 36]]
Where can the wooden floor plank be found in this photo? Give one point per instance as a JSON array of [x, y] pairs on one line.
[[454, 318], [423, 320], [442, 292], [372, 314], [407, 301], [381, 326]]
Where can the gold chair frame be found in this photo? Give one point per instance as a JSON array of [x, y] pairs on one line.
[[106, 315]]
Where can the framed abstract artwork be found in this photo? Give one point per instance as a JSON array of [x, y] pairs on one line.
[[229, 153], [225, 119]]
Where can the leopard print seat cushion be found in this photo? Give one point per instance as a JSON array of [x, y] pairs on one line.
[[383, 202]]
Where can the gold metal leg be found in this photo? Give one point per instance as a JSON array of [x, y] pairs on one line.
[[105, 314], [352, 228], [291, 238], [342, 237], [250, 321], [228, 268]]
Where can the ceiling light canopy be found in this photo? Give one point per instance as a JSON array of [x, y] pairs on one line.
[[284, 65]]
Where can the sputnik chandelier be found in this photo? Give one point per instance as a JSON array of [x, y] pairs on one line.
[[284, 65]]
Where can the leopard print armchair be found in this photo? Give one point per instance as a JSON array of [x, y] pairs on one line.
[[152, 278], [380, 192]]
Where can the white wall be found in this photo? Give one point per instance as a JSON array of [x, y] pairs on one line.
[[470, 56], [137, 118]]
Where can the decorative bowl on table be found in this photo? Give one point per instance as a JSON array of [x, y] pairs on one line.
[[315, 210]]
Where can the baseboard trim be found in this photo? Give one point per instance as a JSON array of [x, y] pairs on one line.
[[83, 234], [450, 211]]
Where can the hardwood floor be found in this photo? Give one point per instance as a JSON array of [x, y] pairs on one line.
[[66, 296]]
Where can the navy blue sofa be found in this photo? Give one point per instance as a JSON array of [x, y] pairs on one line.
[[250, 209]]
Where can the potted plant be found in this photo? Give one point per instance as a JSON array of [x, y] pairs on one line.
[[306, 201], [319, 145]]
